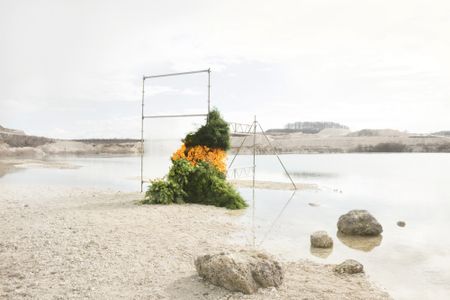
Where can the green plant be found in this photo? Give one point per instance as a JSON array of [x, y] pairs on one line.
[[215, 134], [180, 172], [163, 191], [197, 174], [208, 186]]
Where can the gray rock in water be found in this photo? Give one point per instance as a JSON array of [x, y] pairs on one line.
[[321, 239], [359, 222], [401, 224], [243, 271], [350, 266]]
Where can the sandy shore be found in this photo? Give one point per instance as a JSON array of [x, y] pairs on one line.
[[70, 243]]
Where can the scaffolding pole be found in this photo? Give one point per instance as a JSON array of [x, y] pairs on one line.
[[253, 127], [143, 117]]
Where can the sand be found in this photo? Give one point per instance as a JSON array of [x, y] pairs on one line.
[[60, 242]]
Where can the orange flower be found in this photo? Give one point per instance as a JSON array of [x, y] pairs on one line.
[[195, 154]]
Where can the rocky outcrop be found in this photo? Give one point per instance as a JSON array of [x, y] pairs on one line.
[[11, 131], [321, 239], [359, 222], [243, 271], [350, 266]]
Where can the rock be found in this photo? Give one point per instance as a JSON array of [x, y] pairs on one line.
[[321, 239], [350, 266], [401, 224], [359, 222], [243, 271]]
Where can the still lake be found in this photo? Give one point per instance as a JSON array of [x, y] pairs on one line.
[[411, 262]]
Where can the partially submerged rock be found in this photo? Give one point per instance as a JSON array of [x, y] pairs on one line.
[[243, 271], [350, 266], [401, 224], [321, 239], [359, 222]]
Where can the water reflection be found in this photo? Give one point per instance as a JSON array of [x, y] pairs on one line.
[[321, 252], [6, 168], [362, 243], [275, 221]]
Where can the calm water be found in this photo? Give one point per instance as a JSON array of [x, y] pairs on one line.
[[411, 262]]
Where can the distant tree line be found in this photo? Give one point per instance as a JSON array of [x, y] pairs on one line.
[[314, 125], [307, 127]]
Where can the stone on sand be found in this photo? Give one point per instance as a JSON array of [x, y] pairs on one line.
[[243, 271], [350, 266]]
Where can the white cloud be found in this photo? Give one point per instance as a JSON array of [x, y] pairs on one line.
[[343, 60]]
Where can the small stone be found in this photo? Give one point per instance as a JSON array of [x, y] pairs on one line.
[[350, 266], [401, 224], [321, 239]]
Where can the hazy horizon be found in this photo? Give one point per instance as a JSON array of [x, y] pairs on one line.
[[73, 69]]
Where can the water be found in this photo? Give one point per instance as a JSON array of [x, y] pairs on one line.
[[411, 262]]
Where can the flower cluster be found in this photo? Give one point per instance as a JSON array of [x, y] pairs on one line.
[[216, 157]]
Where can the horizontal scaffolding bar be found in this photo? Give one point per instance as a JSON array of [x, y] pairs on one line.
[[174, 116], [176, 74]]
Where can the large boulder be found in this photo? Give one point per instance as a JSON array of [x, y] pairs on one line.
[[350, 266], [321, 239], [243, 271], [359, 222]]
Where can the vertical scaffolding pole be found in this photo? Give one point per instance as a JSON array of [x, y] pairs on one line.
[[142, 134], [253, 183], [168, 116], [278, 157], [209, 91]]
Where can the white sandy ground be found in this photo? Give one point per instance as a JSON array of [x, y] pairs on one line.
[[71, 243]]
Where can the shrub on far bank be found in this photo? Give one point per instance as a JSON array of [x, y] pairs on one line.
[[383, 147]]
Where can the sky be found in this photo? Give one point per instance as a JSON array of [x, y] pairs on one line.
[[73, 69]]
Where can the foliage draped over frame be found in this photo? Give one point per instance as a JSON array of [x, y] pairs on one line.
[[198, 171]]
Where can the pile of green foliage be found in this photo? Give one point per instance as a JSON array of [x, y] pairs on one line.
[[215, 134], [202, 183]]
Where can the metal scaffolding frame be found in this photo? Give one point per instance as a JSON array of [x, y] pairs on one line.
[[143, 117], [247, 130]]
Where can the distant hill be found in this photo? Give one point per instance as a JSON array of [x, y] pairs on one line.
[[11, 131], [378, 132], [442, 133], [307, 127]]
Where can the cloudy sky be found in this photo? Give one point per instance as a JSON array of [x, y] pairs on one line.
[[73, 69]]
